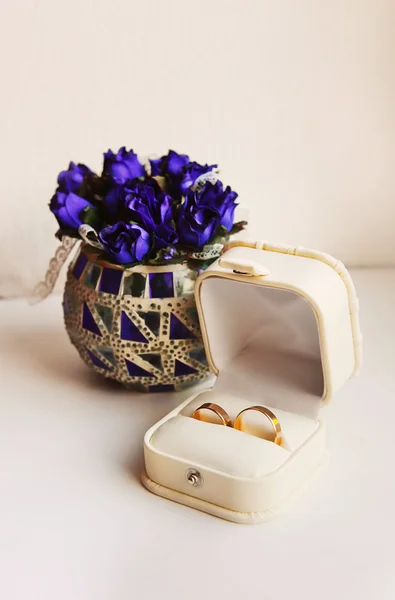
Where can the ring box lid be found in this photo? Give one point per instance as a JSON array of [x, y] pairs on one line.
[[280, 324]]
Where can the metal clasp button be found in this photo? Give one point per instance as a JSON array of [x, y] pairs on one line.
[[194, 478]]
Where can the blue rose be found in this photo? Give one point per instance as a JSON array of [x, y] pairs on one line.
[[68, 208], [172, 164], [213, 195], [196, 225], [180, 171], [71, 180], [114, 202], [153, 209], [191, 175], [124, 243], [123, 165]]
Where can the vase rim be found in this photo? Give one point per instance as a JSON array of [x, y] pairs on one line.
[[93, 254]]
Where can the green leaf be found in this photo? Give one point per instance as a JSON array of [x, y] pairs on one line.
[[85, 189], [90, 216], [221, 236], [162, 182], [195, 263], [159, 258], [221, 231], [237, 227]]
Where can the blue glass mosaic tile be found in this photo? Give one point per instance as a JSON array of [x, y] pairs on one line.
[[136, 371], [130, 331], [200, 355], [108, 353], [106, 316], [96, 361], [134, 285], [181, 369], [179, 331], [88, 322], [161, 285], [152, 320], [92, 275], [79, 266], [184, 283], [153, 359], [110, 281], [161, 388]]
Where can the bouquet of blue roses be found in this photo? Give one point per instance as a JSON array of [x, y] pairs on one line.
[[151, 211]]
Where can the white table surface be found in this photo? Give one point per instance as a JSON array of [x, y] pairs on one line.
[[76, 524]]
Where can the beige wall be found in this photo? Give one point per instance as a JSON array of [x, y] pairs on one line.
[[294, 98]]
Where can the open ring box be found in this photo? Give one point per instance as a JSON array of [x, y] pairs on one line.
[[280, 327]]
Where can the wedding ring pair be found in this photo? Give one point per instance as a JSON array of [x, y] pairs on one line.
[[239, 423]]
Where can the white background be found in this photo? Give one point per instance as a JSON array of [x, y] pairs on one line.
[[294, 99]]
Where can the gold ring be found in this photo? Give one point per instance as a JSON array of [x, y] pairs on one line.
[[277, 434], [216, 409]]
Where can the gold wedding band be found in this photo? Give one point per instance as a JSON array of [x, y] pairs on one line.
[[277, 434], [216, 409]]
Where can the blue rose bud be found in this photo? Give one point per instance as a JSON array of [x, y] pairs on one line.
[[154, 210], [172, 164], [191, 174], [196, 225], [123, 165], [124, 243], [216, 197], [71, 180], [68, 209], [180, 171]]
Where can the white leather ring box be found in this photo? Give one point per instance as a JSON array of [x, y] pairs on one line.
[[280, 327]]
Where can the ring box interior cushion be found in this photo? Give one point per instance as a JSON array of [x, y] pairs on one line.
[[280, 328]]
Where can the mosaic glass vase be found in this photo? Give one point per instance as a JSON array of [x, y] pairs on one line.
[[136, 325]]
